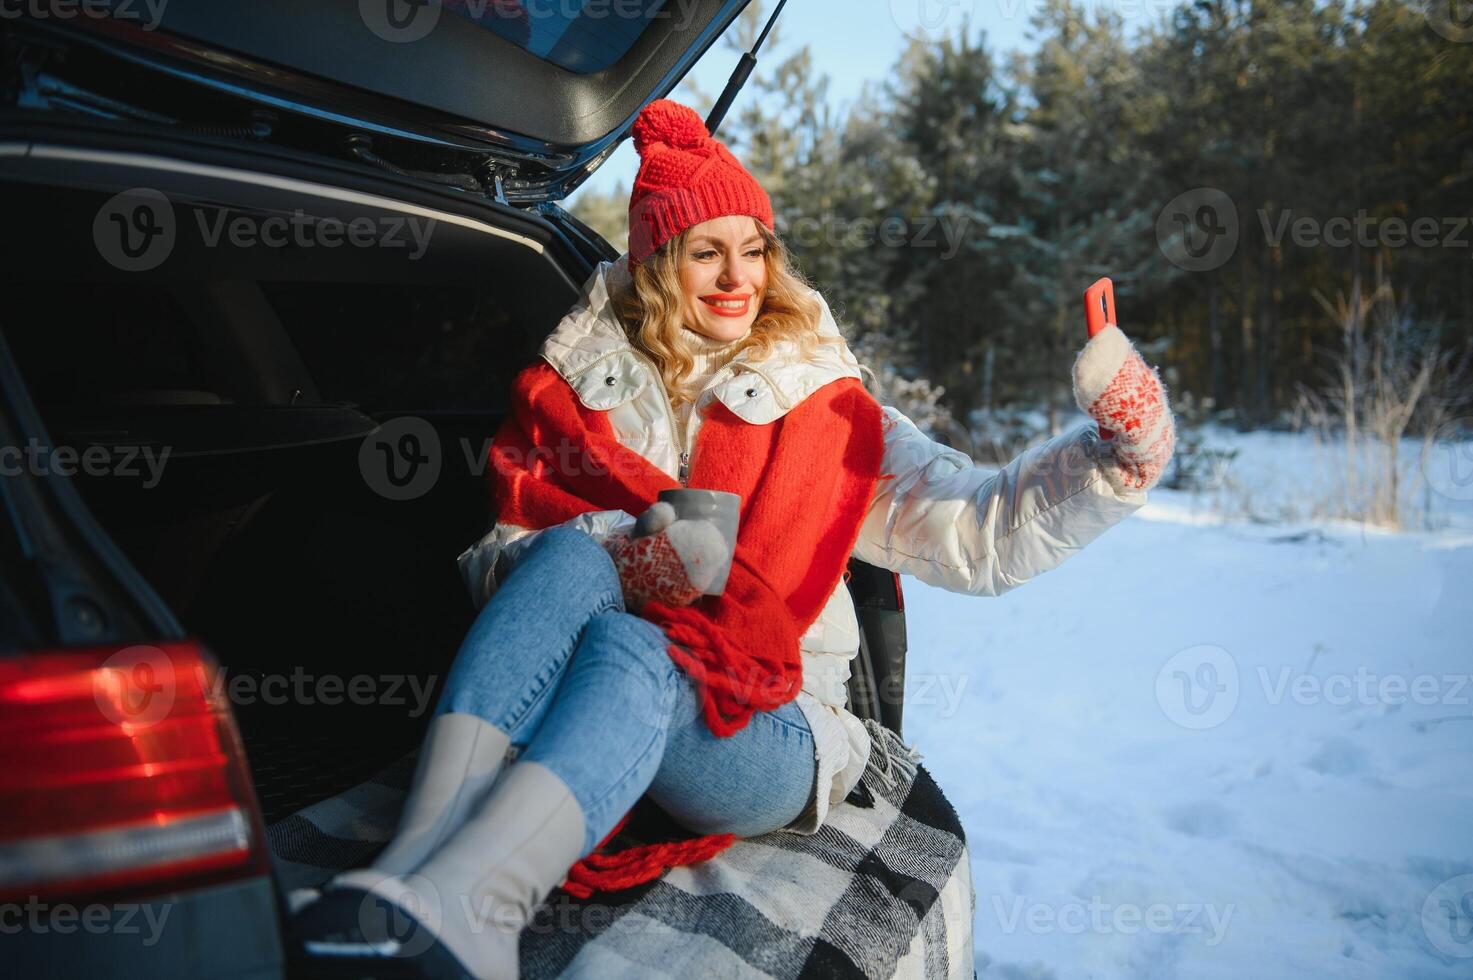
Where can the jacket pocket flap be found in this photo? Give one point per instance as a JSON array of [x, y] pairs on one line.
[[611, 381]]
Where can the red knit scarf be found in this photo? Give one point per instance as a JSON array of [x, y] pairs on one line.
[[805, 481]]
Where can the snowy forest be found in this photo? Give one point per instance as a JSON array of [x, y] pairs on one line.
[[1281, 193]]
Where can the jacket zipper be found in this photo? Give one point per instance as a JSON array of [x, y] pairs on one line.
[[684, 470], [710, 383], [679, 436]]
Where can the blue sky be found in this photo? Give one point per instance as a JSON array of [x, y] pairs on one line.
[[855, 41]]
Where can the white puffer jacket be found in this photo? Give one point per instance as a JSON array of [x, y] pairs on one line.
[[943, 518]]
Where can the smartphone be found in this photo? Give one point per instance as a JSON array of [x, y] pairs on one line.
[[1099, 305], [1099, 310]]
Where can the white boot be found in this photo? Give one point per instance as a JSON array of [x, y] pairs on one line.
[[460, 759], [482, 885]]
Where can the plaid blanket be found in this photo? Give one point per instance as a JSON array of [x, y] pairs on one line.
[[882, 890]]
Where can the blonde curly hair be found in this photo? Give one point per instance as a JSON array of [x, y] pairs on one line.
[[650, 306]]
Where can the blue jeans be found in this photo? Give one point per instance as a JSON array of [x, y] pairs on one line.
[[589, 691]]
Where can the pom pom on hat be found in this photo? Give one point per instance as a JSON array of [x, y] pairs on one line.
[[685, 177], [668, 122]]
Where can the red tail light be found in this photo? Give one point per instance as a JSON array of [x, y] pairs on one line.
[[121, 769], [899, 595]]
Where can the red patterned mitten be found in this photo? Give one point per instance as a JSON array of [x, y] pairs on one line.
[[1126, 397], [674, 563]]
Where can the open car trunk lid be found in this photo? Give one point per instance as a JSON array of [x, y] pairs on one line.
[[545, 89]]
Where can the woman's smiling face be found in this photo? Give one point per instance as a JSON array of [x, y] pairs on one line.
[[723, 273]]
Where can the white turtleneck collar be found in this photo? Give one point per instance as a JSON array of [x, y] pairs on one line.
[[708, 356], [708, 353]]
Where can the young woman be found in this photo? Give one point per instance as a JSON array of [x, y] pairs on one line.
[[699, 359]]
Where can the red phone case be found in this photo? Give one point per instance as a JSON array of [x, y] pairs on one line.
[[1099, 305], [1099, 309]]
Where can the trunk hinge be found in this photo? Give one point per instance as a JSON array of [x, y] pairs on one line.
[[492, 174]]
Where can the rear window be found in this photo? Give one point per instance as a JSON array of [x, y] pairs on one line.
[[583, 36]]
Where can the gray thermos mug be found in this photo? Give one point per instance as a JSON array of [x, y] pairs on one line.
[[717, 506]]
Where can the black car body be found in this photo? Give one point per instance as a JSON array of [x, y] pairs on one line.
[[209, 499]]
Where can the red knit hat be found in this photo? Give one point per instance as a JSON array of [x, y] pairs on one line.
[[685, 177]]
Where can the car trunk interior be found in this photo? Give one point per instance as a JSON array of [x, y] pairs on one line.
[[334, 609]]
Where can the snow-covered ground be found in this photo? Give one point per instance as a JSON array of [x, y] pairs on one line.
[[1285, 476], [1215, 748]]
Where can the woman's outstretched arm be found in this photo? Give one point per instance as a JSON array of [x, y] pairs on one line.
[[968, 528], [964, 527]]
